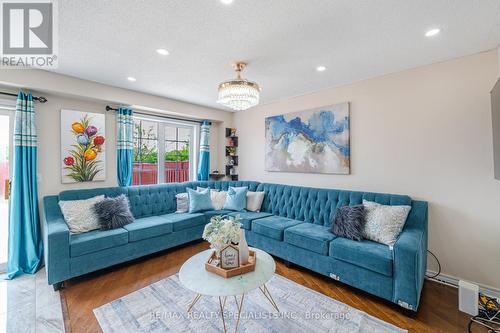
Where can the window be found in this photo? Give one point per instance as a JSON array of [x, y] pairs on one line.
[[175, 141], [145, 169], [177, 154]]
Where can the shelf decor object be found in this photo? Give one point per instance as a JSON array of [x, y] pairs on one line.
[[231, 153], [229, 257], [243, 248], [213, 265]]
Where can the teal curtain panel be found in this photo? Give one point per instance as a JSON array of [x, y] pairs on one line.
[[204, 161], [125, 146], [25, 237]]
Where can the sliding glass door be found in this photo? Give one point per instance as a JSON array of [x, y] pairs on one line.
[[164, 151], [6, 128], [145, 168], [177, 153]]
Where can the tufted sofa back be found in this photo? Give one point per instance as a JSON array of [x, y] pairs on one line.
[[312, 205], [149, 200], [315, 205]]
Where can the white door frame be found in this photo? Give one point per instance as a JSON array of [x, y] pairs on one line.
[[7, 108], [193, 146]]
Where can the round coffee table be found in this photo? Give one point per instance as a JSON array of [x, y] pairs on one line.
[[194, 277]]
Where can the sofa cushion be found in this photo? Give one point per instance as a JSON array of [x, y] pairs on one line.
[[254, 200], [367, 254], [114, 212], [80, 215], [273, 226], [182, 201], [349, 222], [312, 237], [384, 223], [199, 201], [248, 217], [148, 227], [96, 240], [181, 221], [236, 199], [211, 213]]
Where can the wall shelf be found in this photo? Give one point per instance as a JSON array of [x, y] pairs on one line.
[[217, 176], [231, 153]]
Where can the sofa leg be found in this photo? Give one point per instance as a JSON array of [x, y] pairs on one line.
[[288, 264], [409, 313], [407, 309], [57, 286]]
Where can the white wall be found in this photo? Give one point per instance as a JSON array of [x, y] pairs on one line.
[[64, 92], [498, 55], [48, 123], [424, 132]]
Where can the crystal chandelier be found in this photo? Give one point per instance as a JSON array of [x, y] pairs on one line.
[[239, 94]]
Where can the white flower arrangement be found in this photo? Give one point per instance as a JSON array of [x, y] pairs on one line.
[[221, 232]]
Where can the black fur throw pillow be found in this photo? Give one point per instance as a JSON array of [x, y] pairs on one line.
[[349, 222], [114, 212]]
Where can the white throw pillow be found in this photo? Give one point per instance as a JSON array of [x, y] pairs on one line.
[[182, 202], [80, 215], [254, 201], [201, 189], [218, 199], [384, 223]]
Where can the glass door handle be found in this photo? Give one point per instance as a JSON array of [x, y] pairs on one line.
[[7, 189]]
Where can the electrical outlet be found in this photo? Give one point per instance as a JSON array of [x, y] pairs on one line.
[[468, 296]]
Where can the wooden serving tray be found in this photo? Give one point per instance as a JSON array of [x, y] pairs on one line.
[[227, 273]]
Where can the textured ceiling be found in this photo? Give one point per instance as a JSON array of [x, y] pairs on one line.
[[283, 41]]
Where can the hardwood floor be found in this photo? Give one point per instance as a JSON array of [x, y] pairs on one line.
[[438, 308]]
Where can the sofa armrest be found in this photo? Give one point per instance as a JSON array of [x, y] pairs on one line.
[[56, 241], [410, 258]]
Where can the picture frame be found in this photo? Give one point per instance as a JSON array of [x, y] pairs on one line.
[[310, 141], [83, 153], [229, 257]]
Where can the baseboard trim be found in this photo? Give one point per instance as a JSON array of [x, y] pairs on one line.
[[453, 282]]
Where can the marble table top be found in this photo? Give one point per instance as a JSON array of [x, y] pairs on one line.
[[194, 277]]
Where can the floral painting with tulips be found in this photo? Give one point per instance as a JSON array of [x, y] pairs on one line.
[[82, 146]]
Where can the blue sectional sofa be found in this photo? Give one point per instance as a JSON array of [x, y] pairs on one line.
[[293, 224]]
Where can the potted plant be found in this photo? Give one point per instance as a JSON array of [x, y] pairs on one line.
[[222, 231]]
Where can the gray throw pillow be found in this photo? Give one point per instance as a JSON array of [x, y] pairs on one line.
[[114, 212], [349, 222], [384, 223]]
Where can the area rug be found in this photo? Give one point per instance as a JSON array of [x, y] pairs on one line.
[[161, 307]]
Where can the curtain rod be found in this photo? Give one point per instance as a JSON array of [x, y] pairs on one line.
[[41, 99], [109, 108]]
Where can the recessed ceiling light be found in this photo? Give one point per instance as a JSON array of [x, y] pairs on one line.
[[321, 68], [432, 32], [131, 79], [226, 2], [162, 52]]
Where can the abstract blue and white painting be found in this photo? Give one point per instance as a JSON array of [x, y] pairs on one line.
[[312, 141]]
